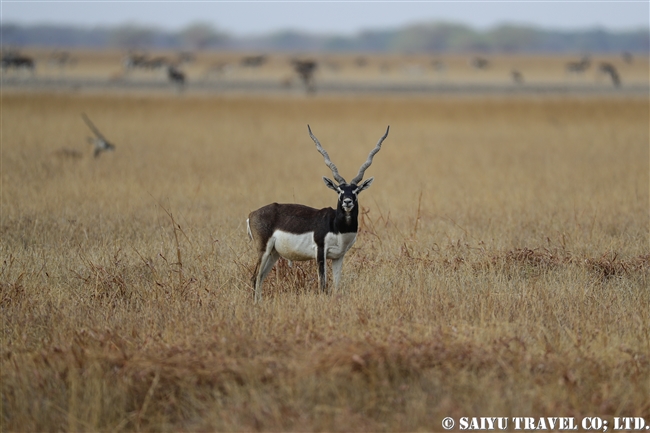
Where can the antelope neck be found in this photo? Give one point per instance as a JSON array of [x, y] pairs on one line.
[[346, 222]]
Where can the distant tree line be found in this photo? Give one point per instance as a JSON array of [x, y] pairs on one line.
[[129, 36], [429, 38]]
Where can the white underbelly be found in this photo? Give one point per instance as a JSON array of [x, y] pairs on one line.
[[295, 247], [303, 247], [337, 245]]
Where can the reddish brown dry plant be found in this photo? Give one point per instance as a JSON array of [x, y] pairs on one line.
[[501, 268]]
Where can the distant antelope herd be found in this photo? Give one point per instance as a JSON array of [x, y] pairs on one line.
[[303, 69]]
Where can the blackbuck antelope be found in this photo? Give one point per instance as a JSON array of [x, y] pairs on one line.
[[298, 232], [480, 63], [609, 69], [305, 69], [578, 67], [17, 61], [517, 76], [176, 76], [253, 61], [101, 144]]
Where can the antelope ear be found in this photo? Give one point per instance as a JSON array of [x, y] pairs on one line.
[[330, 184], [364, 185]]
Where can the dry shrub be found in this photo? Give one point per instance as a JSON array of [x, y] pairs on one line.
[[294, 277], [608, 266], [11, 293]]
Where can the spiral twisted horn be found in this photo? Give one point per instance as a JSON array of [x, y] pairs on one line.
[[366, 164], [328, 162]]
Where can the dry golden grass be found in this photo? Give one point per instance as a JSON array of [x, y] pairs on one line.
[[502, 268]]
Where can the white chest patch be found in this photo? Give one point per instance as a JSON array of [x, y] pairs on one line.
[[295, 247], [336, 245]]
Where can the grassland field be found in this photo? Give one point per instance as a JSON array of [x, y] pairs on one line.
[[502, 267]]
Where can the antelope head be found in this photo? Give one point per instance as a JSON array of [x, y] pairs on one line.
[[348, 192]]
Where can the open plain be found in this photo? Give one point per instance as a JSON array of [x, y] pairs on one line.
[[502, 267]]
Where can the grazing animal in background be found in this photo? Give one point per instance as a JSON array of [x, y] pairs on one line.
[[609, 69], [305, 70], [628, 57], [134, 61], [298, 232], [217, 70], [101, 144], [253, 61], [517, 76], [61, 59], [438, 65], [186, 57], [361, 62], [141, 61], [17, 61], [155, 63], [480, 63], [176, 76], [578, 67]]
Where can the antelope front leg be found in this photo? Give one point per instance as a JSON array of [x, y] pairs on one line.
[[322, 268], [337, 267]]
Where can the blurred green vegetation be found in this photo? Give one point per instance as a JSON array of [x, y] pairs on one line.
[[433, 37]]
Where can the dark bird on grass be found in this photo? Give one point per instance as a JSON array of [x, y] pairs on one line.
[[101, 144]]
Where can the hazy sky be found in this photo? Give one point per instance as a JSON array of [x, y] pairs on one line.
[[346, 17]]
